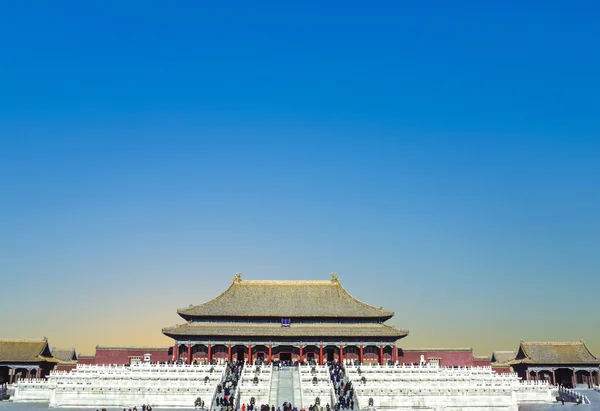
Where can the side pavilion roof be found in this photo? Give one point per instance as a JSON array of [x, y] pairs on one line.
[[64, 355], [25, 351], [575, 352], [502, 357], [285, 299]]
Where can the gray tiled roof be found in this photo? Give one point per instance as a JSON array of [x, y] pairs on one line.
[[555, 353], [276, 330], [285, 299], [25, 351], [502, 357], [64, 354]]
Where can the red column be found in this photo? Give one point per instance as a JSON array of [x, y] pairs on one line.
[[300, 359], [360, 355], [189, 360], [574, 379], [250, 354], [270, 352], [381, 355], [394, 354], [209, 353], [12, 375], [175, 352], [38, 373], [229, 352], [341, 353], [528, 374], [320, 355]]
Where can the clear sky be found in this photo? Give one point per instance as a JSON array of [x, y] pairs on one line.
[[443, 158]]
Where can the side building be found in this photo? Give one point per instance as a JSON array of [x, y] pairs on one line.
[[565, 363], [25, 359], [285, 321]]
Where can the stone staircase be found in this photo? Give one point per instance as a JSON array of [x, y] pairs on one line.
[[274, 387], [285, 387]]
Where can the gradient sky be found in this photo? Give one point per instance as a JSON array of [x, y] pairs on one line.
[[442, 157]]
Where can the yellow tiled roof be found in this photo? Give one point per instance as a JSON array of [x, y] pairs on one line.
[[502, 357], [246, 298], [64, 354], [575, 352], [25, 351]]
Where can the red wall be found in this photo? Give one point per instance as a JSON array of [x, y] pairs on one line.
[[65, 367], [86, 360], [481, 363], [448, 358], [120, 356]]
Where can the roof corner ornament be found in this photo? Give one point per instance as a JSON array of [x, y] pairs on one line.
[[237, 277], [334, 278]]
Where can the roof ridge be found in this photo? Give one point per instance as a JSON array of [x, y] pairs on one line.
[[339, 295], [285, 282], [553, 342]]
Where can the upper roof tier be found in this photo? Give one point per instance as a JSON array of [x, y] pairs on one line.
[[285, 299]]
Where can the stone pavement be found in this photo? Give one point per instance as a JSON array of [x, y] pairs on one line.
[[594, 397]]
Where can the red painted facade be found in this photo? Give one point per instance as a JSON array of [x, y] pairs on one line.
[[124, 355], [481, 362], [86, 359], [459, 357], [65, 367]]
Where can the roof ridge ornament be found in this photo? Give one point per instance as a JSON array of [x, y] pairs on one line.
[[237, 277], [335, 278]]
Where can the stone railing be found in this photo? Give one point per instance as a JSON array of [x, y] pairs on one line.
[[25, 381], [167, 385], [255, 381], [428, 385], [300, 388], [270, 383], [573, 395], [310, 388]]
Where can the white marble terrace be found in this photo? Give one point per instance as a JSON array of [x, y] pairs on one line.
[[428, 386], [255, 381], [315, 382], [161, 385]]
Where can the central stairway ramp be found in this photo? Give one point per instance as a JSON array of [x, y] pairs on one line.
[[285, 387], [274, 387]]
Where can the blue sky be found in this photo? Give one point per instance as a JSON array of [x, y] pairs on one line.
[[441, 158]]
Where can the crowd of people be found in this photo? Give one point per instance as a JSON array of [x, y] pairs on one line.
[[342, 386], [144, 408], [287, 406], [225, 398]]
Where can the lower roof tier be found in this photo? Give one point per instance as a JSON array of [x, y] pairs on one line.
[[277, 331]]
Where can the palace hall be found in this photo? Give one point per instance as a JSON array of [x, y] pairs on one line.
[[285, 321]]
